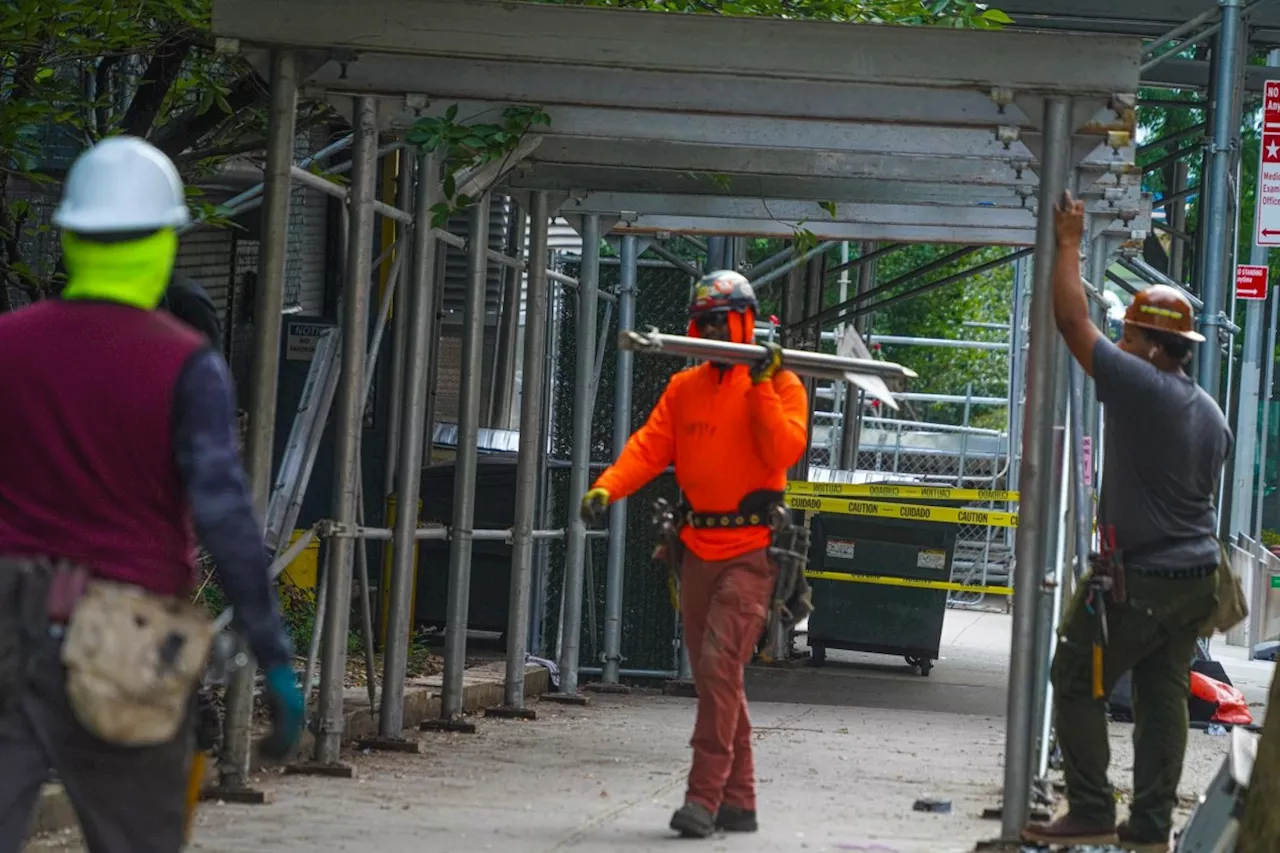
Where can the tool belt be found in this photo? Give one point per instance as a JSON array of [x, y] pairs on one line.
[[724, 521], [132, 658], [792, 599], [756, 509]]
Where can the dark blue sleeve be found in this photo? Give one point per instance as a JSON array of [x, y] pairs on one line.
[[222, 505]]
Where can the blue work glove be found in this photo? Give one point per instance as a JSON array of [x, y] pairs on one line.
[[287, 709]]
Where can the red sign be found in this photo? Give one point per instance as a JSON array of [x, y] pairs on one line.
[[1267, 219], [1251, 282]]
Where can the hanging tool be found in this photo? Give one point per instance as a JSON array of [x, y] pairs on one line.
[[669, 550], [222, 661], [1106, 581], [792, 598]]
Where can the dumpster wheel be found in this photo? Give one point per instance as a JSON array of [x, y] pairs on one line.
[[922, 665]]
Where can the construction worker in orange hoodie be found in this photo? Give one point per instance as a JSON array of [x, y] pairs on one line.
[[732, 432]]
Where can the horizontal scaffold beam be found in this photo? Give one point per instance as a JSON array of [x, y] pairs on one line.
[[979, 233], [891, 222], [926, 57], [573, 179]]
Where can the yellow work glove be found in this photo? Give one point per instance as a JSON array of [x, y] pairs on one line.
[[594, 503], [764, 371]]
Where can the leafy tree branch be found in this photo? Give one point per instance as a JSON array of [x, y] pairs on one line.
[[471, 146]]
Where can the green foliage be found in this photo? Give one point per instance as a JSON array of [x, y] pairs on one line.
[[72, 73], [941, 313], [946, 13], [470, 146], [298, 610]]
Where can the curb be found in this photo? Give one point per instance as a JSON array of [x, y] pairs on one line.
[[54, 813]]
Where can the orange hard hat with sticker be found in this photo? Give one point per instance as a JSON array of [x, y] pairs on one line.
[[1162, 308]]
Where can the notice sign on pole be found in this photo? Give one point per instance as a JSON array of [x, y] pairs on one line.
[[1251, 282], [1267, 221]]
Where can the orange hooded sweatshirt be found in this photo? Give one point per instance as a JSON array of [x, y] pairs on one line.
[[727, 438]]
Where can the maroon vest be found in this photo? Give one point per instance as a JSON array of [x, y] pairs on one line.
[[87, 469]]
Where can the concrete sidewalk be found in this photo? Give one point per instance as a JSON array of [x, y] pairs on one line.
[[843, 752]]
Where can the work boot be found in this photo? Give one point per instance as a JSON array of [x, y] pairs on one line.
[[732, 818], [1131, 842], [694, 820], [1068, 830]]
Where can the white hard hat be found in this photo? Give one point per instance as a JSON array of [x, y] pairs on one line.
[[122, 184]]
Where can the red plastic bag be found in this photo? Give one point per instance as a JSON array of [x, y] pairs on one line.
[[1232, 708]]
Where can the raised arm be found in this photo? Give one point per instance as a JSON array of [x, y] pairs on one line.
[[1070, 305], [779, 419]]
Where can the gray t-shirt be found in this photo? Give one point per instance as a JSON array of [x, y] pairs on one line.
[[1166, 442]]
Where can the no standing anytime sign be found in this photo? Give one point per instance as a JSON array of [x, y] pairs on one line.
[[1267, 227]]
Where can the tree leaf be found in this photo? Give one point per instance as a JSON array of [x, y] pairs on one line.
[[995, 16]]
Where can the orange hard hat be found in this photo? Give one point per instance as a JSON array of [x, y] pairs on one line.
[[1163, 309]]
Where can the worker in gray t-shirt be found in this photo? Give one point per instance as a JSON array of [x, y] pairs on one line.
[[1166, 442]]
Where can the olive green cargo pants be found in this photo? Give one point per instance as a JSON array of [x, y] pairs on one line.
[[1153, 634]]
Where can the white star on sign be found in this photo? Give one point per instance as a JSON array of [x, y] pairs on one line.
[[1273, 149]]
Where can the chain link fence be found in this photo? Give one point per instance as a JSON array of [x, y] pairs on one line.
[[927, 450], [648, 622]]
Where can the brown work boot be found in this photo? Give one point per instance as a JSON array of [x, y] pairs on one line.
[[1069, 829], [1132, 843], [732, 818], [694, 820]]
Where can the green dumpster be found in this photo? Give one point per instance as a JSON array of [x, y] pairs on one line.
[[870, 581]]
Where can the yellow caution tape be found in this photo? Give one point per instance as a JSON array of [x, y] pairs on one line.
[[891, 490], [910, 512], [913, 583]]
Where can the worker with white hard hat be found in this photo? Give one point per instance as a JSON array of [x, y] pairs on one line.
[[117, 450]]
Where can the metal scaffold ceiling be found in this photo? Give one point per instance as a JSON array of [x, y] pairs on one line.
[[915, 134]]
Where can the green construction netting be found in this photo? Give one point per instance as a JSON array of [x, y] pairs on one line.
[[648, 623]]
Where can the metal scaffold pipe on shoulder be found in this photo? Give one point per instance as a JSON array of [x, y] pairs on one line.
[[864, 373], [816, 364]]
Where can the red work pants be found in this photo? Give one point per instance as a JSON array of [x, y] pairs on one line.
[[724, 605]]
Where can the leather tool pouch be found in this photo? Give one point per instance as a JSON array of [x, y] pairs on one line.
[[133, 660], [667, 522], [793, 597], [1230, 607]]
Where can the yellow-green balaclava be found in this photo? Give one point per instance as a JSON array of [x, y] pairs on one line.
[[135, 272]]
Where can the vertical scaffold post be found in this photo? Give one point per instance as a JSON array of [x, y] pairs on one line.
[[621, 432], [580, 456], [464, 484], [420, 330], [1036, 481], [348, 421], [533, 376], [1216, 200], [233, 765]]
